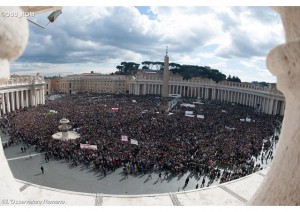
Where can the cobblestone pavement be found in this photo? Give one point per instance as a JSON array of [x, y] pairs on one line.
[[61, 175]]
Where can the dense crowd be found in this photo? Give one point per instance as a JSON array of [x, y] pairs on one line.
[[173, 143]]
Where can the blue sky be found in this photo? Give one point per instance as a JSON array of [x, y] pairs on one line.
[[234, 40]]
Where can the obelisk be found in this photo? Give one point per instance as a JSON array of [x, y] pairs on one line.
[[164, 107]]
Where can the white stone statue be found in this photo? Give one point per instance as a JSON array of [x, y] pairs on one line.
[[13, 38]]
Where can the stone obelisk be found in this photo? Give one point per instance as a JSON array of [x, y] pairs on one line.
[[164, 107]]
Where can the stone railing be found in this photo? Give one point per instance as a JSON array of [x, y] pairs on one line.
[[22, 81]]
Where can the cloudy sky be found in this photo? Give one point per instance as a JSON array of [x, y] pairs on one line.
[[234, 40]]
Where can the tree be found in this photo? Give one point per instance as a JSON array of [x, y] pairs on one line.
[[174, 65], [120, 68], [233, 79], [146, 63], [158, 65], [145, 68]]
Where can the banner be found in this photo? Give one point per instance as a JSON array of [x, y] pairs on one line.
[[192, 116], [198, 103], [242, 119], [88, 146], [248, 119], [229, 128], [132, 141], [187, 105], [124, 138], [200, 116], [114, 109], [189, 112]]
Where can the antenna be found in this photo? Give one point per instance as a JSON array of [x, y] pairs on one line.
[[51, 18]]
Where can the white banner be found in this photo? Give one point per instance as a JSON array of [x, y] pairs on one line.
[[189, 112], [200, 116], [229, 128], [135, 142], [198, 103], [192, 116], [187, 105], [88, 146], [242, 119], [248, 119], [124, 138]]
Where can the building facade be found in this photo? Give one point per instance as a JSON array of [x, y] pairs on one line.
[[20, 92], [94, 83], [48, 88], [266, 99]]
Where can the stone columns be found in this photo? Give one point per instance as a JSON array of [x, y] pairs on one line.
[[17, 100], [275, 107], [8, 102], [234, 96], [3, 103], [281, 185], [282, 108], [213, 94], [221, 95], [22, 99], [27, 98], [271, 107], [12, 95], [244, 99], [266, 105]]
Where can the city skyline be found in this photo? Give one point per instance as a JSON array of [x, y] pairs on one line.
[[234, 40]]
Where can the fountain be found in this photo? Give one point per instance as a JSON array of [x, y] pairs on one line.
[[65, 133]]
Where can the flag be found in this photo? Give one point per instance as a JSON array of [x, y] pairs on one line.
[[124, 138], [88, 146], [132, 141]]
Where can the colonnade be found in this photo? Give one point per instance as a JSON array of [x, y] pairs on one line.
[[262, 100], [18, 98]]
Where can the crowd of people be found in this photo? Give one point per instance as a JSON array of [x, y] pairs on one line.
[[219, 146]]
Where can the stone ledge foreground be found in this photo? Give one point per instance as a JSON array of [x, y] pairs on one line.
[[233, 193]]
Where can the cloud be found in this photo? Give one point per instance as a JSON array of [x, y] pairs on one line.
[[103, 37]]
